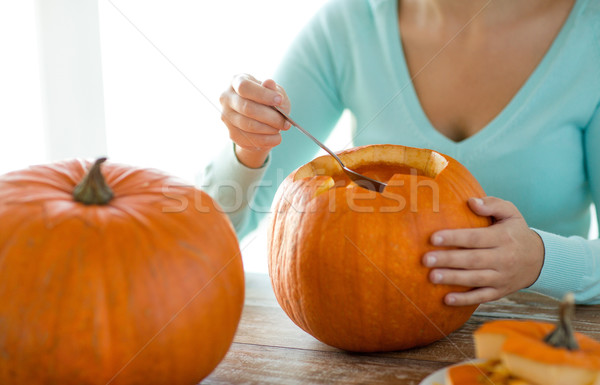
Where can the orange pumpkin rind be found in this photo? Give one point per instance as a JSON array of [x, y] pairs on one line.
[[345, 262], [135, 288]]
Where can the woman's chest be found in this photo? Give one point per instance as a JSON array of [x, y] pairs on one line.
[[464, 80], [537, 164]]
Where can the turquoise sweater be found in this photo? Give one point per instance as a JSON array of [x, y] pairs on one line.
[[542, 152]]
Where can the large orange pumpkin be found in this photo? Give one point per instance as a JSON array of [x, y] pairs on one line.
[[132, 279], [345, 262]]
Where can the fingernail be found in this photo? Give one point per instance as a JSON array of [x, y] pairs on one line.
[[478, 201], [430, 260], [450, 300], [437, 240], [436, 278], [287, 125], [277, 99]]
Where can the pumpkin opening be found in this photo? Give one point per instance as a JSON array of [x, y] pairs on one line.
[[381, 163]]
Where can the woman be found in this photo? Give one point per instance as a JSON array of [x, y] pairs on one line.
[[510, 88]]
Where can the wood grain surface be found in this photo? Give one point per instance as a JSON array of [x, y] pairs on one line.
[[270, 349]]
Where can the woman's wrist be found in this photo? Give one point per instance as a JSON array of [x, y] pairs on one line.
[[251, 158], [538, 251]]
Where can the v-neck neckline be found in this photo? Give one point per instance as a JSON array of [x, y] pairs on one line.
[[428, 131]]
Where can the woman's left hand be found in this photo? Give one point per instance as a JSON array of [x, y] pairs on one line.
[[496, 260]]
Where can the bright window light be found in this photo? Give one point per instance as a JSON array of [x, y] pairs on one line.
[[22, 142], [166, 63]]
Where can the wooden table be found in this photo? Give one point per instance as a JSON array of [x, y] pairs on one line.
[[270, 349]]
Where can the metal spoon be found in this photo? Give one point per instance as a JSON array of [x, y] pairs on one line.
[[359, 179]]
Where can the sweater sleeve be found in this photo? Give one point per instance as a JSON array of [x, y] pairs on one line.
[[307, 73], [573, 263], [228, 181]]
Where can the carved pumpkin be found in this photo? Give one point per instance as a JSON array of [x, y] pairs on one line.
[[542, 353], [132, 279], [345, 262]]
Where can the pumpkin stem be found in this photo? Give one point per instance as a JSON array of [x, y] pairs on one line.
[[564, 336], [93, 190]]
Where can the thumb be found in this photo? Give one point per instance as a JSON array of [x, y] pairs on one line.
[[497, 208], [270, 84]]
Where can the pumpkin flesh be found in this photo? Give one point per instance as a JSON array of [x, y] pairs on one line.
[[520, 346], [491, 372]]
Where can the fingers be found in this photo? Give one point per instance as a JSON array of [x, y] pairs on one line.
[[249, 88], [253, 125], [494, 261], [254, 136], [258, 133], [484, 285], [459, 259], [472, 297], [493, 207], [468, 278], [485, 237], [285, 103], [246, 105], [480, 238], [252, 117], [270, 84], [255, 142]]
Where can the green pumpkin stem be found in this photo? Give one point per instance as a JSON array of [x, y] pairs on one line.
[[563, 336], [93, 190]]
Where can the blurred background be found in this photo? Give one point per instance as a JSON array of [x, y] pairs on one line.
[[141, 79], [136, 80]]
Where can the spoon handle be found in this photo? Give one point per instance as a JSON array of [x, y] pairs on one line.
[[324, 147]]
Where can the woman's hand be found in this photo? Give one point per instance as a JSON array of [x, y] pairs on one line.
[[496, 260], [253, 126]]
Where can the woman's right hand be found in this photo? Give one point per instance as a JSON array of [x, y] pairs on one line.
[[253, 125]]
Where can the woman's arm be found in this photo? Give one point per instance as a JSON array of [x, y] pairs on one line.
[[573, 263], [307, 74], [254, 129]]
